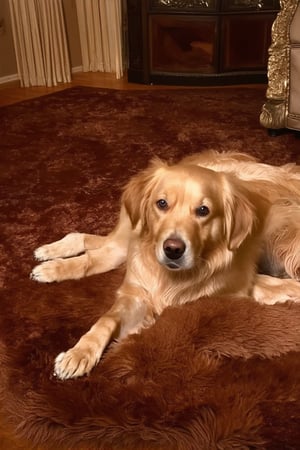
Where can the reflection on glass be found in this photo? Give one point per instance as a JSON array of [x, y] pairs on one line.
[[250, 4], [182, 45]]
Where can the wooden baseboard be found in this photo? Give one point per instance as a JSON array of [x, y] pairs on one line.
[[77, 69], [15, 76], [9, 78]]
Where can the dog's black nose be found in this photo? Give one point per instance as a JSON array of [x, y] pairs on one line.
[[174, 248]]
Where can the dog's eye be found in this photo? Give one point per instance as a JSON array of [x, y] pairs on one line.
[[162, 204], [202, 211]]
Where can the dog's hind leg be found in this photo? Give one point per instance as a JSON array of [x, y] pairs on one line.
[[281, 253], [270, 290]]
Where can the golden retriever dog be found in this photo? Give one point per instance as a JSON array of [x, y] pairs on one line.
[[212, 224]]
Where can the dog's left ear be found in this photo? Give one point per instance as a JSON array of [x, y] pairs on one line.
[[240, 213], [138, 190]]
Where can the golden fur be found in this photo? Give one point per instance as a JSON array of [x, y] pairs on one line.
[[189, 230]]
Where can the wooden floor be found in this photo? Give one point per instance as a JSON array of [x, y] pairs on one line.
[[12, 92]]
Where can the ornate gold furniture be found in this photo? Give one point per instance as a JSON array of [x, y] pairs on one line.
[[282, 108], [199, 42]]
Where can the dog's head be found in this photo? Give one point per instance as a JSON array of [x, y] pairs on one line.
[[186, 212]]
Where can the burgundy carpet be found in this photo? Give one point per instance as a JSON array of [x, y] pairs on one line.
[[210, 375]]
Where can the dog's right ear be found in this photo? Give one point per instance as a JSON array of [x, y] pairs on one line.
[[239, 212], [138, 190]]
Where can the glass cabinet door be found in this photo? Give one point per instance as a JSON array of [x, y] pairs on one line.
[[183, 44]]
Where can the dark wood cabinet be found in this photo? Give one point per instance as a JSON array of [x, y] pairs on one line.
[[199, 42]]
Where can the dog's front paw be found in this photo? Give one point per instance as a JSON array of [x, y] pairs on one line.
[[70, 245], [74, 363], [48, 271], [61, 269], [44, 253]]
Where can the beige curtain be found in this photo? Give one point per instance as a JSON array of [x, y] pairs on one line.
[[100, 31], [40, 42]]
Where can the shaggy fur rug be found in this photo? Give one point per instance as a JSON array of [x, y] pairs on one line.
[[215, 374]]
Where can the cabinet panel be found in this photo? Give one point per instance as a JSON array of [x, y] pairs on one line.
[[245, 41], [183, 44]]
